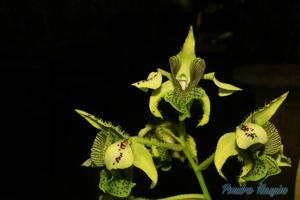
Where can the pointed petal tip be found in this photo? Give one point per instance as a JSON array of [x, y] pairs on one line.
[[78, 111]]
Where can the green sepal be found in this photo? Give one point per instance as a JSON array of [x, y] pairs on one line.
[[119, 155], [100, 124], [114, 185], [225, 89], [181, 69], [153, 81], [226, 147], [264, 114], [143, 160], [157, 96]]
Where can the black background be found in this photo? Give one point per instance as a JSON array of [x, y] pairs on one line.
[[56, 56]]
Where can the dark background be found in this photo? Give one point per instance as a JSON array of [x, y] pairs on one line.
[[56, 56]]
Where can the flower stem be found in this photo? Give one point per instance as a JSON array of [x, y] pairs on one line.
[[147, 142], [187, 151], [205, 164], [185, 196]]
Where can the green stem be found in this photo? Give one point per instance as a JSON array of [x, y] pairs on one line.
[[195, 167], [185, 196], [147, 142], [205, 164]]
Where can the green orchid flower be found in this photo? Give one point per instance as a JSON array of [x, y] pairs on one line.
[[257, 144], [181, 87], [113, 150]]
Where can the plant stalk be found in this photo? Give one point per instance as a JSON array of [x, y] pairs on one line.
[[193, 164], [147, 142]]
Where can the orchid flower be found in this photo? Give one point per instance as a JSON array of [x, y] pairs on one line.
[[113, 150], [181, 87], [257, 144]]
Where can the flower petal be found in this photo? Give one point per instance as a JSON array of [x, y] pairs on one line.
[[274, 140], [118, 155], [226, 148], [157, 95], [263, 115], [248, 134], [97, 151], [153, 82], [205, 107], [143, 160], [225, 89], [101, 124], [282, 160]]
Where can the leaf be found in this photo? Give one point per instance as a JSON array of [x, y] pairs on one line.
[[143, 160], [226, 148], [115, 186], [225, 89], [153, 82], [100, 124], [264, 114], [248, 134], [157, 95], [118, 155]]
